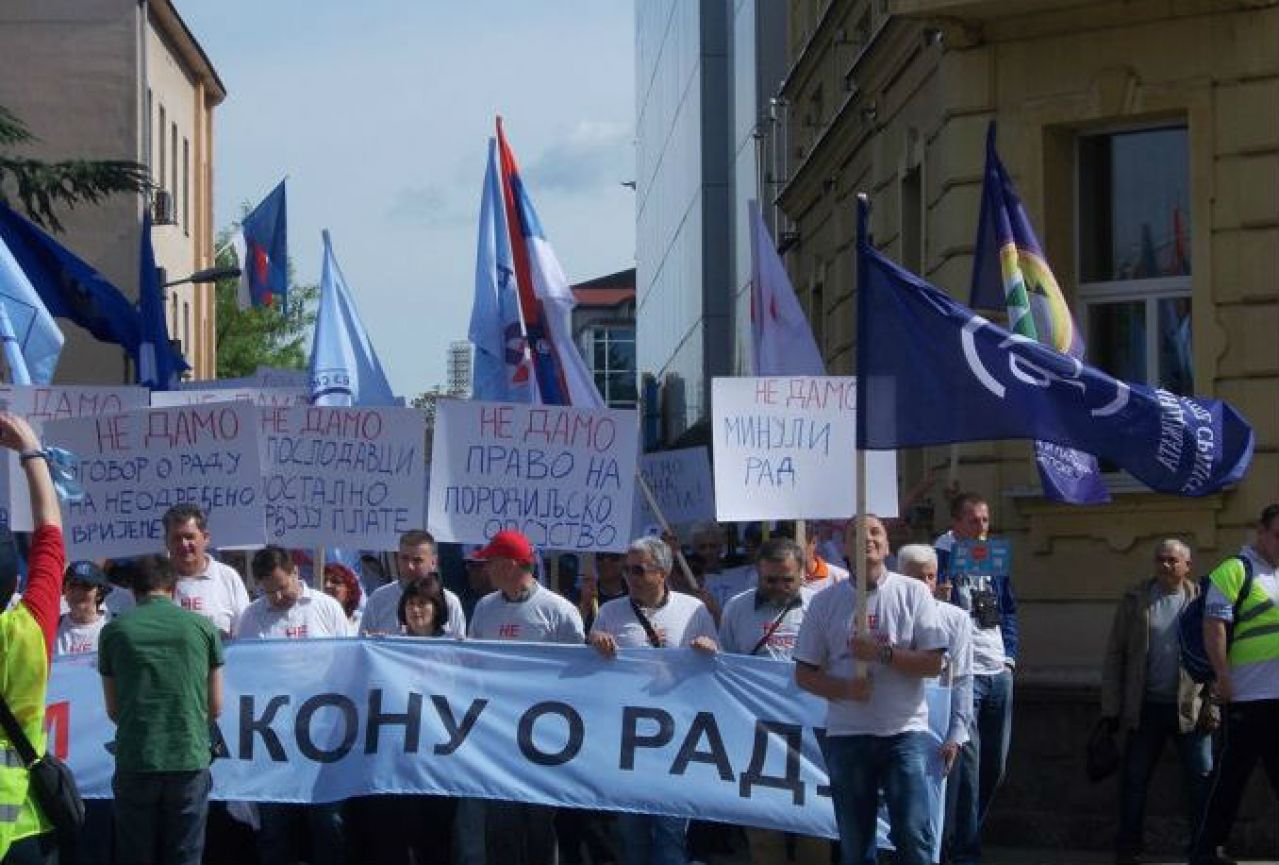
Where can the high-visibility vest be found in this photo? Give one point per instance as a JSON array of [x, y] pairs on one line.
[[1255, 637], [24, 677]]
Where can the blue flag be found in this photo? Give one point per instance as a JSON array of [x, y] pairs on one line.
[[159, 365], [503, 371], [68, 287], [344, 367], [1010, 270], [934, 372], [32, 342], [264, 253]]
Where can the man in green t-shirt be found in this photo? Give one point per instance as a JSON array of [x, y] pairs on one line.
[[162, 682]]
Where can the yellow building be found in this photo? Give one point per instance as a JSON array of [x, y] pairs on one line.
[[122, 79], [1143, 137]]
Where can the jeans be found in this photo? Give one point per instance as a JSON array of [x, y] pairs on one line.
[[651, 840], [1159, 723], [1248, 736], [284, 826], [859, 767], [160, 816], [980, 768]]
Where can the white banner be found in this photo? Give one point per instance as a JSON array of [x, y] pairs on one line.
[[263, 397], [135, 466], [343, 476], [41, 403], [563, 476], [263, 376], [785, 449], [681, 482], [657, 731]]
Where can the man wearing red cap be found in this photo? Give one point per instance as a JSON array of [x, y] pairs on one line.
[[520, 610]]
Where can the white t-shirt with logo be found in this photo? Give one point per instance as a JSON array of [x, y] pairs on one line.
[[382, 612], [314, 615], [678, 621], [900, 613], [217, 593], [958, 669], [75, 639], [730, 582], [1259, 681], [541, 617], [745, 621]]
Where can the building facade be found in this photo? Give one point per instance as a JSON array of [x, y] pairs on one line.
[[123, 79], [1144, 140], [604, 333], [460, 369]]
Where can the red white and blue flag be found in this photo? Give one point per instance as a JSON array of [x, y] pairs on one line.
[[263, 249], [546, 300]]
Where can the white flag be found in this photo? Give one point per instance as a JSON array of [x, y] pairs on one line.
[[783, 340]]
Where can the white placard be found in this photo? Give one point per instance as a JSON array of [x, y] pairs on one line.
[[563, 476], [681, 482], [263, 397], [263, 376], [343, 476], [135, 466], [40, 403], [784, 449]]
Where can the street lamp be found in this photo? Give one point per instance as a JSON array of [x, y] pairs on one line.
[[209, 274]]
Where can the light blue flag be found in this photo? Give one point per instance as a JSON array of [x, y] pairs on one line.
[[32, 341], [502, 371], [344, 367]]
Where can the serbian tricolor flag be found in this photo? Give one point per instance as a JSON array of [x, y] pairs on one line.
[[1011, 271], [546, 299], [263, 248]]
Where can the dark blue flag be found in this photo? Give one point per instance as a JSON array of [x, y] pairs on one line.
[[69, 287], [934, 372], [159, 365], [264, 253]]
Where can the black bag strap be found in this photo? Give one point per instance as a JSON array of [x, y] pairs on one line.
[[776, 623], [654, 639], [13, 730]]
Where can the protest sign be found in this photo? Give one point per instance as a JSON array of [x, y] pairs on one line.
[[784, 449], [40, 403], [563, 476], [342, 476], [135, 466], [263, 376], [264, 397], [991, 557], [681, 482]]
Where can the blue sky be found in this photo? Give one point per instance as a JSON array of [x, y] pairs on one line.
[[379, 113]]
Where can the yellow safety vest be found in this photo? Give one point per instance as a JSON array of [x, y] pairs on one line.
[[1256, 629], [24, 677]]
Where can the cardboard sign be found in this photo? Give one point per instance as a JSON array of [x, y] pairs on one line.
[[135, 466], [785, 449], [563, 476], [342, 476], [41, 403], [263, 397], [989, 558], [681, 482]]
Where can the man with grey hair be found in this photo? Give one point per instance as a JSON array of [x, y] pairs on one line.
[[1146, 694], [652, 616]]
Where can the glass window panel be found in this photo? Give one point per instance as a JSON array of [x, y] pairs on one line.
[[621, 388], [600, 350], [1117, 339], [1134, 205], [1176, 372]]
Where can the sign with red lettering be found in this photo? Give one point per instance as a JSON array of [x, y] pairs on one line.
[[785, 449], [135, 466], [40, 403], [264, 397], [348, 476], [563, 476]]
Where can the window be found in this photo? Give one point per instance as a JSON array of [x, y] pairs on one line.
[[611, 352], [186, 326], [173, 159], [159, 178], [149, 132], [1134, 254], [186, 186]]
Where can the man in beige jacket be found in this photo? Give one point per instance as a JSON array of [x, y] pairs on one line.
[[1146, 694]]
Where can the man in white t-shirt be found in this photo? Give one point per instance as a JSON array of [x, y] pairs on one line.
[[520, 610], [205, 586], [652, 616], [765, 622], [84, 587], [416, 559], [1241, 639], [289, 609], [877, 717]]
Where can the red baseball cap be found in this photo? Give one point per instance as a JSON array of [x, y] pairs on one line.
[[506, 544]]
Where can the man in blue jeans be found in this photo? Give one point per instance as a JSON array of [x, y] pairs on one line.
[[877, 716], [990, 601]]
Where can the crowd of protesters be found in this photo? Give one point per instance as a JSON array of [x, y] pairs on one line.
[[159, 623]]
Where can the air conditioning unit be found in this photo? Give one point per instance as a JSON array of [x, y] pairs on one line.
[[164, 210]]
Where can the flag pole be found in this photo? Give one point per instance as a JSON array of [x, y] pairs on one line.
[[859, 554], [666, 528]]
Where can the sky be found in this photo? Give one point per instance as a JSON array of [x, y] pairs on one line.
[[379, 114]]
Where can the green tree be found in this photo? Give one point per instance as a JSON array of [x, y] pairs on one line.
[[41, 185], [261, 336]]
